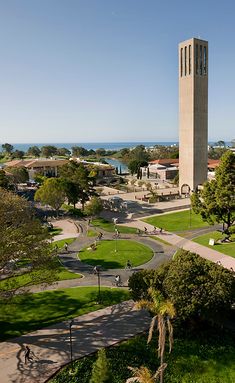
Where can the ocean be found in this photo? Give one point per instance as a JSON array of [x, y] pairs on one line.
[[94, 145]]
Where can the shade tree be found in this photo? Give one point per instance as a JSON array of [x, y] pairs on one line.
[[216, 201], [19, 174], [22, 240], [7, 148], [34, 151], [94, 206], [48, 151], [63, 152], [18, 154], [77, 183], [52, 193]]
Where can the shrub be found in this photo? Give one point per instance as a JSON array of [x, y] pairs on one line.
[[196, 287], [140, 282]]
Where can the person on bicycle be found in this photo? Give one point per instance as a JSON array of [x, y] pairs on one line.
[[117, 280], [100, 235]]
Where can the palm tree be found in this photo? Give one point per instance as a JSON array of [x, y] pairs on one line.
[[144, 375], [162, 310]]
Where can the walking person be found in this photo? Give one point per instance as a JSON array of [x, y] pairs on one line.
[[66, 246], [145, 230], [128, 265], [28, 355]]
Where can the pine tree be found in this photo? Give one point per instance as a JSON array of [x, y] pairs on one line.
[[100, 371], [216, 202]]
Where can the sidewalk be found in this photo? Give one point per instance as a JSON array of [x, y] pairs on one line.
[[183, 243], [69, 229], [161, 253], [51, 345]]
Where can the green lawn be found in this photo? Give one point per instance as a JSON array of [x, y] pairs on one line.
[[179, 221], [30, 312], [27, 279], [92, 233], [225, 248], [201, 359], [55, 231], [107, 258], [109, 226]]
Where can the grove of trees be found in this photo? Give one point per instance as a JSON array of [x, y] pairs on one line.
[[197, 288]]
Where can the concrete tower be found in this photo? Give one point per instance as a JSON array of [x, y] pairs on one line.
[[193, 114]]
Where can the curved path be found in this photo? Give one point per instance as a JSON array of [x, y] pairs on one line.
[[70, 260], [92, 331], [51, 345]]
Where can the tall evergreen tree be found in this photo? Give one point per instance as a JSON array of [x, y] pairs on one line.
[[101, 371]]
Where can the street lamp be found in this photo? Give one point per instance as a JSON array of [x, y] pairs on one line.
[[98, 281], [190, 210], [71, 323], [115, 220], [115, 237]]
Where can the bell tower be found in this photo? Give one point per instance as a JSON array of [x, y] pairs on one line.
[[193, 114]]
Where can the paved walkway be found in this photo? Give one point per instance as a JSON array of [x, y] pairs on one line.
[[179, 242], [95, 330], [51, 345], [70, 230], [161, 253]]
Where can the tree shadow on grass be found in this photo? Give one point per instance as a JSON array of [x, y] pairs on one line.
[[30, 312], [89, 333], [105, 265]]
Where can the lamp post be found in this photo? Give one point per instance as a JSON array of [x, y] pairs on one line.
[[70, 339], [190, 210], [98, 281], [115, 230]]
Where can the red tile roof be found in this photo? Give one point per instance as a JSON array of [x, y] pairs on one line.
[[165, 161]]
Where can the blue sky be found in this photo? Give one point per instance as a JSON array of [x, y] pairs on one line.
[[107, 70]]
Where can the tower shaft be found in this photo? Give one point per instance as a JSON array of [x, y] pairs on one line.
[[193, 113]]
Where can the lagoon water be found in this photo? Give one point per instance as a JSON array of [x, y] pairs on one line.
[[97, 145]]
